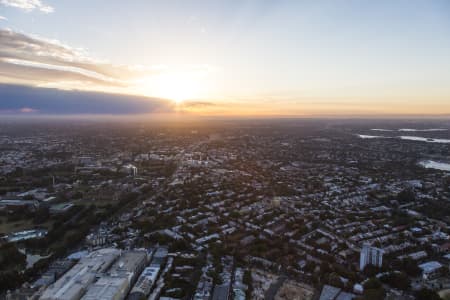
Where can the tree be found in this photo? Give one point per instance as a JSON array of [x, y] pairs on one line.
[[410, 267], [407, 195], [397, 280], [374, 294], [372, 283], [10, 257], [42, 214], [371, 270], [248, 281], [373, 290], [427, 294], [10, 280], [215, 276]]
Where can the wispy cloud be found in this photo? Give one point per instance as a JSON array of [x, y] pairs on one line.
[[32, 60], [29, 5], [38, 61], [2, 18], [27, 110], [197, 104]]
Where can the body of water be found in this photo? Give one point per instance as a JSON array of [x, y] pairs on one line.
[[430, 164], [364, 136], [410, 129], [406, 137], [422, 139], [422, 130]]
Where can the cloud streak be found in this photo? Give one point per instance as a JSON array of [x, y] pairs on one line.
[[197, 104], [32, 60], [28, 5], [38, 61]]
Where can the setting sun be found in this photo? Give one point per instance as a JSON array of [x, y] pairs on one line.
[[176, 86]]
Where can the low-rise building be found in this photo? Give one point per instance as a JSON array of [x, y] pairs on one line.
[[430, 269], [75, 282]]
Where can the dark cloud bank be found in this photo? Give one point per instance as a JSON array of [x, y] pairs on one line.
[[24, 99]]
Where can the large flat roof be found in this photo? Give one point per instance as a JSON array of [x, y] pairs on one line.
[[107, 288], [430, 266], [74, 283]]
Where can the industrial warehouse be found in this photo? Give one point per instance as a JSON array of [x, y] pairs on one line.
[[108, 274]]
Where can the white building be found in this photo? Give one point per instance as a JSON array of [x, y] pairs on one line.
[[116, 282], [105, 274], [131, 169], [73, 284], [370, 256], [107, 288], [145, 283], [430, 269]]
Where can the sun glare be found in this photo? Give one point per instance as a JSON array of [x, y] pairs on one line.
[[175, 85], [178, 86]]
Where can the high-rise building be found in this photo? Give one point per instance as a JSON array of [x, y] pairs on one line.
[[370, 256]]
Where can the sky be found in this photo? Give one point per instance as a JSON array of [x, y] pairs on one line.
[[233, 57]]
